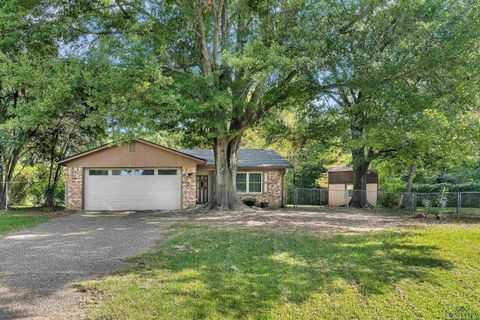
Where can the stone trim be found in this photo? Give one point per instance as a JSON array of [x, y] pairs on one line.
[[189, 188], [74, 188]]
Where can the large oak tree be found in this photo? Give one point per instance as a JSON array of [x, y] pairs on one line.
[[210, 68], [396, 64]]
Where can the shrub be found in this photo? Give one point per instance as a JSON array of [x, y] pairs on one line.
[[440, 187], [389, 199]]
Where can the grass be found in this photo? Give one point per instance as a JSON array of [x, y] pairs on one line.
[[17, 219], [207, 273]]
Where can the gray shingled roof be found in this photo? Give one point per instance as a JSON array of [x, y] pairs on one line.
[[248, 158]]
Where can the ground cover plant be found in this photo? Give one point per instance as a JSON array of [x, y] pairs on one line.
[[429, 272]]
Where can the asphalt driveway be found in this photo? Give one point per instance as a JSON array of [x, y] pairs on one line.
[[38, 264]]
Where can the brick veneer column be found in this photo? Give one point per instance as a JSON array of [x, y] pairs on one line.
[[189, 188], [74, 188]]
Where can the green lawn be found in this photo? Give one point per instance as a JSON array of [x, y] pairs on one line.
[[20, 219], [202, 273]]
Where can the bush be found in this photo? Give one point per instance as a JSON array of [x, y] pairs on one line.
[[448, 187], [250, 201], [28, 190], [389, 199]]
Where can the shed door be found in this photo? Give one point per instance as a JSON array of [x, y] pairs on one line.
[[132, 189]]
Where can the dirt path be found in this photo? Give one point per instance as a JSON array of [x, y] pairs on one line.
[[313, 219]]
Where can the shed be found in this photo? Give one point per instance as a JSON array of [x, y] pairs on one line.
[[340, 186]]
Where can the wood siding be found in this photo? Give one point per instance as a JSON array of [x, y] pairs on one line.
[[345, 177], [144, 156]]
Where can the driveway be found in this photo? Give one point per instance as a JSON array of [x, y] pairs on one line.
[[37, 266]]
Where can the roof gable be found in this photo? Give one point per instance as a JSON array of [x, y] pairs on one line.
[[110, 155], [111, 146]]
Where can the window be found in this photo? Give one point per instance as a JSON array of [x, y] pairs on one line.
[[144, 172], [254, 182], [98, 172], [241, 182], [167, 172], [122, 172], [249, 182]]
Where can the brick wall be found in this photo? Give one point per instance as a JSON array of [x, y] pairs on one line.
[[274, 192], [189, 188], [74, 188]]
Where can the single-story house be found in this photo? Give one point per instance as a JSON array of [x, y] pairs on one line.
[[340, 186], [142, 175]]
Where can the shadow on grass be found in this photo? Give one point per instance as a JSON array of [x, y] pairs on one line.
[[242, 273]]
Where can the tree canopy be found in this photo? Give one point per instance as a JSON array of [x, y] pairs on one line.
[[388, 82]]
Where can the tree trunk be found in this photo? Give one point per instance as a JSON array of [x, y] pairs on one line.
[[49, 197], [360, 171], [3, 199], [224, 189], [50, 193], [411, 175]]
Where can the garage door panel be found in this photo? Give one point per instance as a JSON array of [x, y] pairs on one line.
[[158, 192]]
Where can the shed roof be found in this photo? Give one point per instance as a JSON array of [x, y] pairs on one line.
[[247, 158], [343, 169]]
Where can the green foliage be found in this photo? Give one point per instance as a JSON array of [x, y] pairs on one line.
[[389, 199], [30, 185], [390, 182], [438, 187], [391, 82], [20, 188]]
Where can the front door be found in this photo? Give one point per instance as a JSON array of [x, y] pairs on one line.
[[202, 188]]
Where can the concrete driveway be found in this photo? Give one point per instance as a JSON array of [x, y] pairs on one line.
[[38, 265]]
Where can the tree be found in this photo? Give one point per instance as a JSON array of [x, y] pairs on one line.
[[393, 62], [210, 68], [64, 127], [38, 90]]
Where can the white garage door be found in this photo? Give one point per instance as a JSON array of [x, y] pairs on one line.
[[132, 189]]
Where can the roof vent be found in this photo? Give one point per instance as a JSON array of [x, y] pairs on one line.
[[132, 147]]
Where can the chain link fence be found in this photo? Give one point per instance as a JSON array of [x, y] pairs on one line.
[[434, 202]]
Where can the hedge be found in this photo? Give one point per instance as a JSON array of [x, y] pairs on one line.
[[448, 187]]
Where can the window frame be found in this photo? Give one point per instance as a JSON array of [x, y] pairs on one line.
[[248, 182], [165, 170], [143, 169], [132, 172], [98, 175]]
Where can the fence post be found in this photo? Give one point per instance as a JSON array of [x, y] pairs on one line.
[[459, 201], [414, 202], [345, 196], [295, 197]]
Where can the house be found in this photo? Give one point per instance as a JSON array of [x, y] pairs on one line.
[[143, 175], [340, 184]]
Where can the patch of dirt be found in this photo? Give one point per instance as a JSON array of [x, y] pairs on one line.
[[316, 220]]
